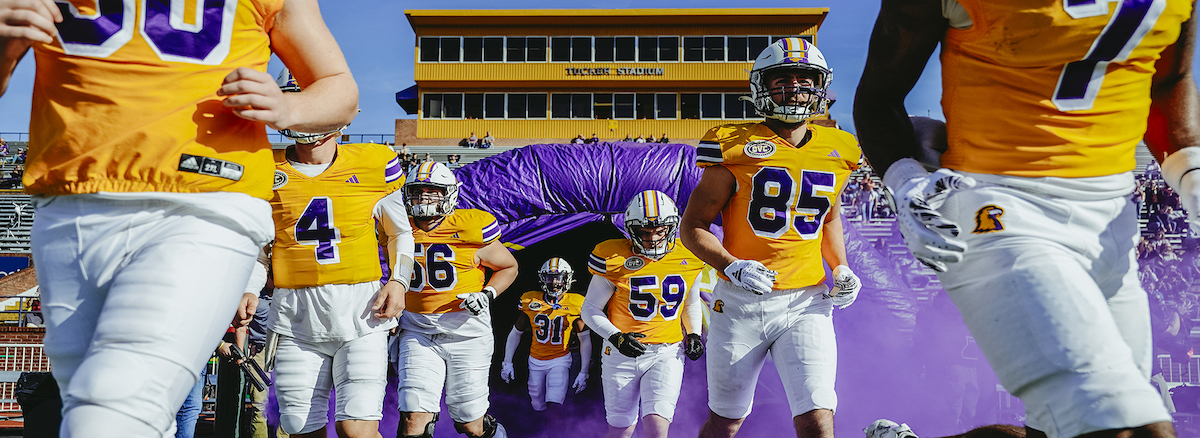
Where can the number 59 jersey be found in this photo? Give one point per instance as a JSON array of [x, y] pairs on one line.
[[445, 261], [649, 298], [783, 195], [325, 225], [552, 324]]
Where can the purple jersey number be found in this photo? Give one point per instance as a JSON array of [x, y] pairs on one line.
[[774, 196], [1080, 80], [199, 34], [644, 305], [436, 272], [316, 227]]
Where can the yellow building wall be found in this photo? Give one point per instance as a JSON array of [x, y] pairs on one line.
[[568, 129]]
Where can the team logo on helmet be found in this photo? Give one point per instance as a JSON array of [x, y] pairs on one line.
[[760, 149], [281, 179], [987, 219], [634, 263]]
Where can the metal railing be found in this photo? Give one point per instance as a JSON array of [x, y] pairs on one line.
[[15, 359], [23, 315]]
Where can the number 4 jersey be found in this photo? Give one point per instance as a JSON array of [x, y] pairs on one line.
[[783, 194], [325, 227], [649, 295], [552, 323]]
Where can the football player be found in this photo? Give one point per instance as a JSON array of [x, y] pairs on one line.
[[776, 183], [644, 300], [150, 169], [556, 313], [446, 329], [1028, 221], [328, 200]]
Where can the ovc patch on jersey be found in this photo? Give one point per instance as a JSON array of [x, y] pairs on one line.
[[760, 149], [534, 305], [211, 167], [281, 179], [634, 263], [987, 219]]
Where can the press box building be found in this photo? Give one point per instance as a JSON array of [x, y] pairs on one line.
[[550, 75]]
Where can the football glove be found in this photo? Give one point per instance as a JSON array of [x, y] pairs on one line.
[[751, 275], [506, 372], [477, 302], [580, 382], [918, 194], [845, 287], [628, 344], [1181, 170], [694, 346]]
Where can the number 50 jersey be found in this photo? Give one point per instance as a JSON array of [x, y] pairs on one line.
[[324, 225], [784, 194], [650, 293]]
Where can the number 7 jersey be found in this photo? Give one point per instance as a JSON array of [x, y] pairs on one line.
[[783, 195]]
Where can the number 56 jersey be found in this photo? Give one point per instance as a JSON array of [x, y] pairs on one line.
[[324, 225], [783, 194], [649, 298]]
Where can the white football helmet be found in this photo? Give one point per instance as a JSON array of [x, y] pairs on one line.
[[651, 209], [556, 277], [288, 84], [430, 174], [790, 53]]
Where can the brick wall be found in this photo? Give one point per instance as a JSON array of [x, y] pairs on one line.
[[18, 282], [22, 335]]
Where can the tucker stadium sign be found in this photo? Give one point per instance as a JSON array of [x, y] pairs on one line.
[[619, 71]]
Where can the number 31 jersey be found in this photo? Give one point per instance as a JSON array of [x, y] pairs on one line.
[[445, 261], [324, 225], [552, 323], [783, 195], [650, 293]]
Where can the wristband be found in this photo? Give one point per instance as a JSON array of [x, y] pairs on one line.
[[491, 292]]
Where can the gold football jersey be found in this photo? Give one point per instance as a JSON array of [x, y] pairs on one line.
[[325, 226], [777, 214], [125, 100], [1040, 88], [650, 293], [445, 261], [552, 323]]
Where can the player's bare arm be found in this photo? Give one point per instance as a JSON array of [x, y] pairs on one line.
[[23, 23], [504, 267], [833, 237], [1175, 102], [708, 198], [329, 99], [905, 35]]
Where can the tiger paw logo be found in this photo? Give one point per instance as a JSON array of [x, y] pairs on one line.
[[987, 219], [719, 306]]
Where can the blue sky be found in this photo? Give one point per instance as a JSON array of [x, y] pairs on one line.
[[378, 44]]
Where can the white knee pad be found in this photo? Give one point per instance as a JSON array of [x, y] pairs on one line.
[[141, 386]]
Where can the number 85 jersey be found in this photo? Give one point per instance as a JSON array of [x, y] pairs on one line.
[[783, 194]]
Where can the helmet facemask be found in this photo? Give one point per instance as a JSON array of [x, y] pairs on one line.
[[655, 248], [423, 204], [555, 277], [816, 104], [790, 55]]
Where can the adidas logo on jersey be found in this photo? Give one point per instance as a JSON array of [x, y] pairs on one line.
[[835, 154], [456, 236], [683, 262], [353, 179]]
